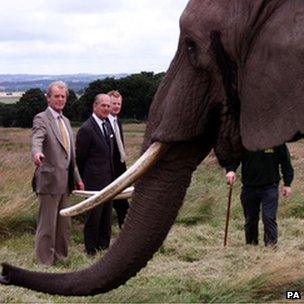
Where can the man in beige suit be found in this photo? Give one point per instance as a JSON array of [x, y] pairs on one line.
[[56, 174]]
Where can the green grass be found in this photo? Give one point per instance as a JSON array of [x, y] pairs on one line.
[[191, 266]]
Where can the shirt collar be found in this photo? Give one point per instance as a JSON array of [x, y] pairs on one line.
[[97, 119], [112, 118], [54, 113]]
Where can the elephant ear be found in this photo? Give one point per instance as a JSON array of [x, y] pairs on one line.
[[271, 79]]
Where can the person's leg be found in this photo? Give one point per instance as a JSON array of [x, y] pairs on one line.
[[269, 214], [63, 230], [91, 229], [250, 200], [46, 228], [121, 207], [105, 228]]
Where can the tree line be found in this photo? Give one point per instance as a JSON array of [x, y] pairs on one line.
[[137, 91]]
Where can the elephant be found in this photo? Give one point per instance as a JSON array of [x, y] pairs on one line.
[[236, 81]]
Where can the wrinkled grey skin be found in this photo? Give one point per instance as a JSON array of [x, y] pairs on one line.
[[236, 79]]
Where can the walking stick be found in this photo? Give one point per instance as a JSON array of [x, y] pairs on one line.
[[228, 215]]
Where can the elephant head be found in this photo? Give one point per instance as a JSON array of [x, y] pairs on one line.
[[237, 79]]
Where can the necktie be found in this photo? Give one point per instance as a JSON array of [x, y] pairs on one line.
[[119, 141], [63, 133], [105, 132]]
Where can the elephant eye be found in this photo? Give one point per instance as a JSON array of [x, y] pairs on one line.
[[191, 50], [191, 47]]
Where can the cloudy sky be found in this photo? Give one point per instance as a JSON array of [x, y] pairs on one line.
[[92, 36]]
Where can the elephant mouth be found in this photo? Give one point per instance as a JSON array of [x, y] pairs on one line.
[[138, 169]]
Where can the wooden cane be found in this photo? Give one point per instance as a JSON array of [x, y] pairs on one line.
[[228, 215]]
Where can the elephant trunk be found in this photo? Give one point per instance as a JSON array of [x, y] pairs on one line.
[[156, 201]]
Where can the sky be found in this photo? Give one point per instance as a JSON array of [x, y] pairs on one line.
[[88, 36]]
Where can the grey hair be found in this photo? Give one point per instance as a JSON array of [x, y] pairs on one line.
[[59, 84], [97, 100]]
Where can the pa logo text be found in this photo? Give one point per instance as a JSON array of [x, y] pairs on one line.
[[293, 295]]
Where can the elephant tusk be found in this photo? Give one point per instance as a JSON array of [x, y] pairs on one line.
[[138, 169], [125, 194]]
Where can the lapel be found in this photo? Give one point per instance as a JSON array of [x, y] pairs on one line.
[[96, 127], [120, 129], [55, 129]]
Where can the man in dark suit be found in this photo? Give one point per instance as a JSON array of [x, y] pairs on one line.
[[119, 156], [56, 172], [94, 150]]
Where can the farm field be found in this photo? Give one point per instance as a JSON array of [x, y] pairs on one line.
[[191, 266], [11, 98]]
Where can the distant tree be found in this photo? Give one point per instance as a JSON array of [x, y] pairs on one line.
[[109, 84], [159, 77], [71, 108], [8, 115], [31, 102], [86, 100], [94, 88], [138, 91]]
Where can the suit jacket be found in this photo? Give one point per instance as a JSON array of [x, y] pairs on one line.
[[57, 174], [119, 167], [94, 155]]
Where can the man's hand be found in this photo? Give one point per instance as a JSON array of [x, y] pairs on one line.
[[80, 186], [286, 191], [38, 158], [230, 177]]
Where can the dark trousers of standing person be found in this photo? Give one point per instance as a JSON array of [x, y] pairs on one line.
[[121, 207], [253, 199], [97, 228]]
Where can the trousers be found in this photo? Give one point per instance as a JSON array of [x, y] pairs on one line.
[[121, 207], [253, 199], [52, 234], [97, 228]]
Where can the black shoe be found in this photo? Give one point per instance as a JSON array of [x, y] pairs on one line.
[[91, 253]]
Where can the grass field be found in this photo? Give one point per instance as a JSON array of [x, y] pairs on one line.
[[191, 265], [9, 99]]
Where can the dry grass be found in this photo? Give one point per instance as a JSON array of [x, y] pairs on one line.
[[191, 265], [16, 200], [133, 137]]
